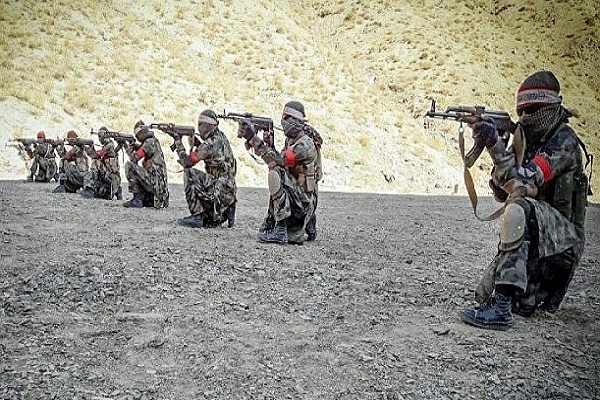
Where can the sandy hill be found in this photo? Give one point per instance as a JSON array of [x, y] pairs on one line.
[[366, 71]]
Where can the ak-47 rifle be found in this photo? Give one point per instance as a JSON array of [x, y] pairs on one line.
[[173, 130], [472, 115], [22, 146], [258, 123], [22, 141], [120, 138]]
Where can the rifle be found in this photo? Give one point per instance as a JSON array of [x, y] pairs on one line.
[[264, 124], [120, 138], [472, 115], [21, 144], [23, 141], [173, 130]]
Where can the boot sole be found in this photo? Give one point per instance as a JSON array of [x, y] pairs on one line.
[[495, 327]]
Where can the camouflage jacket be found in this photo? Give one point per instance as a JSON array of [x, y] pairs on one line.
[[154, 159], [318, 141], [43, 149], [216, 153], [75, 155], [107, 156], [303, 151], [555, 168]]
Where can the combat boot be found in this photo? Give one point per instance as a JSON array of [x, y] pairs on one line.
[[194, 221], [136, 202], [494, 314], [311, 229], [278, 234], [60, 188], [230, 215], [119, 193], [268, 224], [30, 178], [87, 193]]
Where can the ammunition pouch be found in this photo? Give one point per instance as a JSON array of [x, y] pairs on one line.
[[112, 164], [563, 195], [305, 175], [580, 191]]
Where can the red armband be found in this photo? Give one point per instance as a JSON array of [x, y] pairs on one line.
[[289, 157], [194, 157], [141, 153], [102, 153], [544, 165]]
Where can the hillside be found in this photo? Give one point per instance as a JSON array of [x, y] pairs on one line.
[[366, 71]]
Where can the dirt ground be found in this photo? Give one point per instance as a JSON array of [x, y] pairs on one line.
[[102, 302]]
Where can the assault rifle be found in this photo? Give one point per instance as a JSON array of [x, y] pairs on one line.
[[78, 142], [472, 115], [23, 141], [264, 124], [120, 138], [173, 130]]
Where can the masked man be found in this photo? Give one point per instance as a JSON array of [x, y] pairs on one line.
[[74, 164], [291, 181], [542, 232], [210, 194], [147, 182], [103, 181]]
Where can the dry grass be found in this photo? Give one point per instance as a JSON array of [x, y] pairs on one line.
[[351, 62]]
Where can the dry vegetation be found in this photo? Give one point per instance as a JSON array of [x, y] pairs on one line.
[[366, 71]]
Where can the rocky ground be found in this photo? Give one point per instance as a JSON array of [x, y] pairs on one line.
[[101, 302]]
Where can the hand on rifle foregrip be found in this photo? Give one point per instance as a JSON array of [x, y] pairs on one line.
[[485, 133], [246, 130]]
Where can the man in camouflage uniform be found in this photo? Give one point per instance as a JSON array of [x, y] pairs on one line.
[[103, 181], [74, 165], [43, 167], [291, 181], [147, 182], [210, 194], [295, 110], [542, 232]]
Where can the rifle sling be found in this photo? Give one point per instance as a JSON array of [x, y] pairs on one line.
[[519, 149]]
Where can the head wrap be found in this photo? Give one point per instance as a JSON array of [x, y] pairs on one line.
[[538, 90]]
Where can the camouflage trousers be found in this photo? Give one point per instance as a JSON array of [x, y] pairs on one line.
[[103, 182], [43, 169], [293, 204], [208, 196], [71, 177], [542, 267], [151, 187]]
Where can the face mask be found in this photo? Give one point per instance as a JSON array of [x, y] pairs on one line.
[[205, 130], [291, 128]]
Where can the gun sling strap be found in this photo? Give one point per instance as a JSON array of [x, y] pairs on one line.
[[518, 145]]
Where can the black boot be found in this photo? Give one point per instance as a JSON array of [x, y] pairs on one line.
[[60, 188], [311, 228], [230, 215], [87, 193], [276, 235], [119, 193], [136, 202], [194, 221], [268, 224], [493, 314]]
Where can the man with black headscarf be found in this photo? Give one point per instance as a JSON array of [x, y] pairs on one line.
[[542, 232], [291, 180], [147, 182], [210, 194]]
